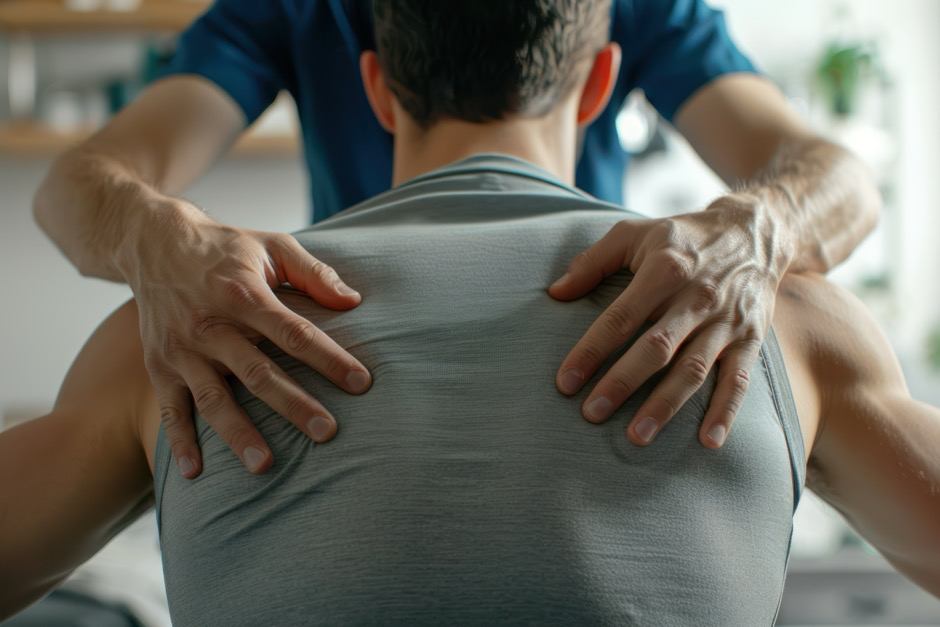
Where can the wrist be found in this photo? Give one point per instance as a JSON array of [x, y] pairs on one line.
[[763, 217], [157, 222]]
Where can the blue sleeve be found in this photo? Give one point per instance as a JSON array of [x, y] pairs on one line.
[[675, 47], [241, 46]]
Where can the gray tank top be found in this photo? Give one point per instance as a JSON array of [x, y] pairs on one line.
[[463, 488]]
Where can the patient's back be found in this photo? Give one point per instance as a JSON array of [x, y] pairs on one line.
[[463, 487]]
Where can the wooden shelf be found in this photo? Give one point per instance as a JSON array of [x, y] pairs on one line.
[[37, 16], [32, 140]]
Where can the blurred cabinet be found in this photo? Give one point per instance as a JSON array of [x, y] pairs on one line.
[[24, 23]]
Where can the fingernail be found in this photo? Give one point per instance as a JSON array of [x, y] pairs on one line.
[[254, 457], [599, 409], [571, 380], [562, 280], [717, 434], [357, 381], [646, 429], [319, 427], [186, 465], [344, 289]]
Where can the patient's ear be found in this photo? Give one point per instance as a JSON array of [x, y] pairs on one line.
[[377, 91], [600, 84]]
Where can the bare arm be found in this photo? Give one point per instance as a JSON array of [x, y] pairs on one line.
[[817, 194], [709, 279], [100, 198], [875, 453], [71, 480], [204, 289]]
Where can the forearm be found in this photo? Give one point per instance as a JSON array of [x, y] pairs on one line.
[[106, 196], [66, 490], [886, 482], [821, 196], [94, 208]]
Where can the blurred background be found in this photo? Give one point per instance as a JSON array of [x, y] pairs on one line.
[[863, 73]]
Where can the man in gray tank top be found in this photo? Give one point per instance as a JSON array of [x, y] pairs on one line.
[[464, 488]]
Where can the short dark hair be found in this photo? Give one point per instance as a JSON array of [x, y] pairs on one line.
[[481, 60]]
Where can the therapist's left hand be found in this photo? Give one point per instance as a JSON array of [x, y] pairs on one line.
[[708, 281]]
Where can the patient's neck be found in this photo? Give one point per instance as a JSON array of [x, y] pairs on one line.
[[548, 142]]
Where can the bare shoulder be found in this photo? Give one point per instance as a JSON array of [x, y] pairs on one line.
[[834, 334], [834, 350], [874, 455], [109, 376]]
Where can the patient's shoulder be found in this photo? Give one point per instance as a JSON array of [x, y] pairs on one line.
[[836, 354], [833, 332]]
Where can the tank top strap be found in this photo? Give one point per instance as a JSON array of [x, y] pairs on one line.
[[786, 410]]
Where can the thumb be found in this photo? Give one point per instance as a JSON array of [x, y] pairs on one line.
[[608, 255], [310, 275]]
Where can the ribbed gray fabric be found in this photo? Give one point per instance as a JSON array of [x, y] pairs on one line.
[[463, 488]]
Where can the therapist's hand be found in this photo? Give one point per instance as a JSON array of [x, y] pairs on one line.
[[205, 296], [708, 281]]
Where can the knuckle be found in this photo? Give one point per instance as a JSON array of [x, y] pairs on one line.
[[241, 436], [325, 272], [658, 347], [238, 295], [674, 268], [707, 297], [664, 230], [205, 328], [753, 338], [171, 348], [618, 322], [584, 259], [172, 416], [298, 336], [738, 383], [209, 399], [740, 379], [620, 383], [157, 368], [694, 370], [297, 408], [260, 377], [590, 354]]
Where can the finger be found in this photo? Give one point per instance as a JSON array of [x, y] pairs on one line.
[[734, 375], [176, 419], [612, 329], [217, 406], [301, 339], [310, 275], [652, 352], [608, 255], [689, 372], [268, 382]]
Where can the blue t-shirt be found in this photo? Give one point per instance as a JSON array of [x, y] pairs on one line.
[[311, 48]]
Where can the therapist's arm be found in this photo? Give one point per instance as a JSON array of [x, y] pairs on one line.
[[204, 289], [708, 279], [816, 194]]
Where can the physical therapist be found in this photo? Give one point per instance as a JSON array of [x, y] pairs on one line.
[[706, 279]]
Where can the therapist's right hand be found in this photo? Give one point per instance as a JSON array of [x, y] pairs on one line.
[[205, 294]]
